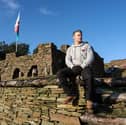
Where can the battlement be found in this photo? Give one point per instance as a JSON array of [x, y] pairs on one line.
[[41, 63]]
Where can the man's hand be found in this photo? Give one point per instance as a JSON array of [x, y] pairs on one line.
[[77, 70]]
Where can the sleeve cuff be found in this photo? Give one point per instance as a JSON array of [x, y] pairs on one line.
[[83, 65]]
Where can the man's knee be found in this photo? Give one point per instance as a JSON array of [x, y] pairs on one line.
[[60, 73], [64, 72]]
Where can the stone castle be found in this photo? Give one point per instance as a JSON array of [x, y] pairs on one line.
[[47, 61], [39, 100]]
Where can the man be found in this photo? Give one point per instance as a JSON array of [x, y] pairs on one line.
[[79, 58]]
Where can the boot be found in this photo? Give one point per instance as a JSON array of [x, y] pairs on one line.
[[89, 104], [69, 99]]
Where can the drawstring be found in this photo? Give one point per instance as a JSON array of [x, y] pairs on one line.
[[80, 55]]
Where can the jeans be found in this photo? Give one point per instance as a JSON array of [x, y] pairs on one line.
[[67, 80]]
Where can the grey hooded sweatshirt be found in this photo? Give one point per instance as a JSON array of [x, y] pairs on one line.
[[81, 55]]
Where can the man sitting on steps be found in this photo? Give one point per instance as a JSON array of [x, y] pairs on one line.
[[79, 58]]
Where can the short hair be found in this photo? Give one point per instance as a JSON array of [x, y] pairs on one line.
[[77, 31]]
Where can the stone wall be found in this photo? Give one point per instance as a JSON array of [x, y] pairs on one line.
[[39, 101], [41, 64], [98, 65], [36, 102], [117, 67], [118, 63]]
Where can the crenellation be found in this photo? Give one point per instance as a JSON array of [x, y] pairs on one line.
[[38, 64]]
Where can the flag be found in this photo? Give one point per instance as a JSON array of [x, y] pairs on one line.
[[16, 29], [16, 26]]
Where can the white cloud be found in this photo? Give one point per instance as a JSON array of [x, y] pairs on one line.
[[45, 11], [11, 4]]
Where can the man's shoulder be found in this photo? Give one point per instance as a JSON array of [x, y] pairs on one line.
[[86, 44], [69, 49]]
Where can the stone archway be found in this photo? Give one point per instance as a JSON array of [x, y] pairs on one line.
[[16, 73], [33, 71]]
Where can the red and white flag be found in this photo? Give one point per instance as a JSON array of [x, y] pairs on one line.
[[17, 24]]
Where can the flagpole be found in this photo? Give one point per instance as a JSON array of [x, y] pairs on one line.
[[16, 44], [17, 39]]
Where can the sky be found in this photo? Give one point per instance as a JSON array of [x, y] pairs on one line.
[[103, 23]]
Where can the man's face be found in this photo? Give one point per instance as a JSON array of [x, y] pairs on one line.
[[77, 37]]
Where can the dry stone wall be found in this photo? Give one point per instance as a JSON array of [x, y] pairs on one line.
[[36, 102], [39, 101]]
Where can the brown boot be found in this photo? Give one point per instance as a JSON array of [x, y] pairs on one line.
[[69, 99], [89, 105]]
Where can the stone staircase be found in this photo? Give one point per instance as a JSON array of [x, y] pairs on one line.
[[39, 101]]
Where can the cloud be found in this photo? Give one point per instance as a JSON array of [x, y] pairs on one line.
[[47, 12], [11, 4]]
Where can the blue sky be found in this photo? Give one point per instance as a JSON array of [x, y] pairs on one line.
[[103, 23]]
